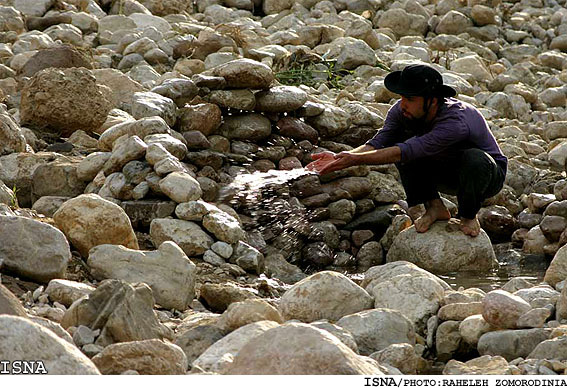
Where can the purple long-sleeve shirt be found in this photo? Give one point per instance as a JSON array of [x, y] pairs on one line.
[[457, 126]]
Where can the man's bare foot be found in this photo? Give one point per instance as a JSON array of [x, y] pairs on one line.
[[434, 210], [415, 212], [470, 227]]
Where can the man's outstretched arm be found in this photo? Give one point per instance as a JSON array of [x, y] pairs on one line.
[[357, 157]]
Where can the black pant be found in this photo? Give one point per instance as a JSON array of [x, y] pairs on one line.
[[473, 176]]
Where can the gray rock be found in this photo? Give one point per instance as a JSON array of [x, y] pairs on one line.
[[401, 356], [219, 356], [485, 365], [297, 348], [376, 329], [551, 349], [251, 127], [122, 312], [196, 340], [442, 251], [248, 258], [245, 73], [66, 291], [180, 187], [33, 249], [168, 271], [188, 235], [511, 344], [324, 295], [20, 339], [417, 297]]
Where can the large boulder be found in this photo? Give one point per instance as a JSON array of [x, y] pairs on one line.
[[551, 349], [121, 311], [11, 137], [168, 271], [502, 309], [10, 304], [382, 273], [23, 339], [33, 249], [219, 356], [324, 295], [442, 251], [187, 234], [63, 56], [511, 344], [376, 329], [298, 349], [417, 297], [557, 270], [64, 101], [148, 357], [245, 73], [89, 220]]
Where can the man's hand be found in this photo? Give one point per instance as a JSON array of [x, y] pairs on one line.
[[327, 162], [321, 159]]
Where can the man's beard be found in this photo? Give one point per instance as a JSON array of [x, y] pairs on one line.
[[413, 125]]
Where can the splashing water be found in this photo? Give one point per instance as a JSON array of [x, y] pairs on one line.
[[264, 198]]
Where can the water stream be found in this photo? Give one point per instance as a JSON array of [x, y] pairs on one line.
[[263, 197]]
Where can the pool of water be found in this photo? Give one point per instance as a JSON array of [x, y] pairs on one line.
[[513, 263]]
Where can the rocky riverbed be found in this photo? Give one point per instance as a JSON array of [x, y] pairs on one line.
[[156, 218]]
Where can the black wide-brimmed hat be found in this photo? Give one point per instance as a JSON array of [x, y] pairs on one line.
[[418, 80]]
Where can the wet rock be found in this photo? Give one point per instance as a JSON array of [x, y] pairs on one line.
[[442, 251], [223, 226], [205, 118], [485, 365], [168, 271], [497, 222], [376, 329], [219, 357], [277, 267], [280, 99], [142, 212], [252, 127], [417, 297], [21, 337], [511, 344], [148, 357], [323, 296], [52, 100], [241, 99], [67, 292], [89, 220], [33, 249], [289, 349], [248, 258], [121, 311], [10, 304], [332, 122]]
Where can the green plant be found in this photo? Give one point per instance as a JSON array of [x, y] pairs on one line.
[[14, 197]]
